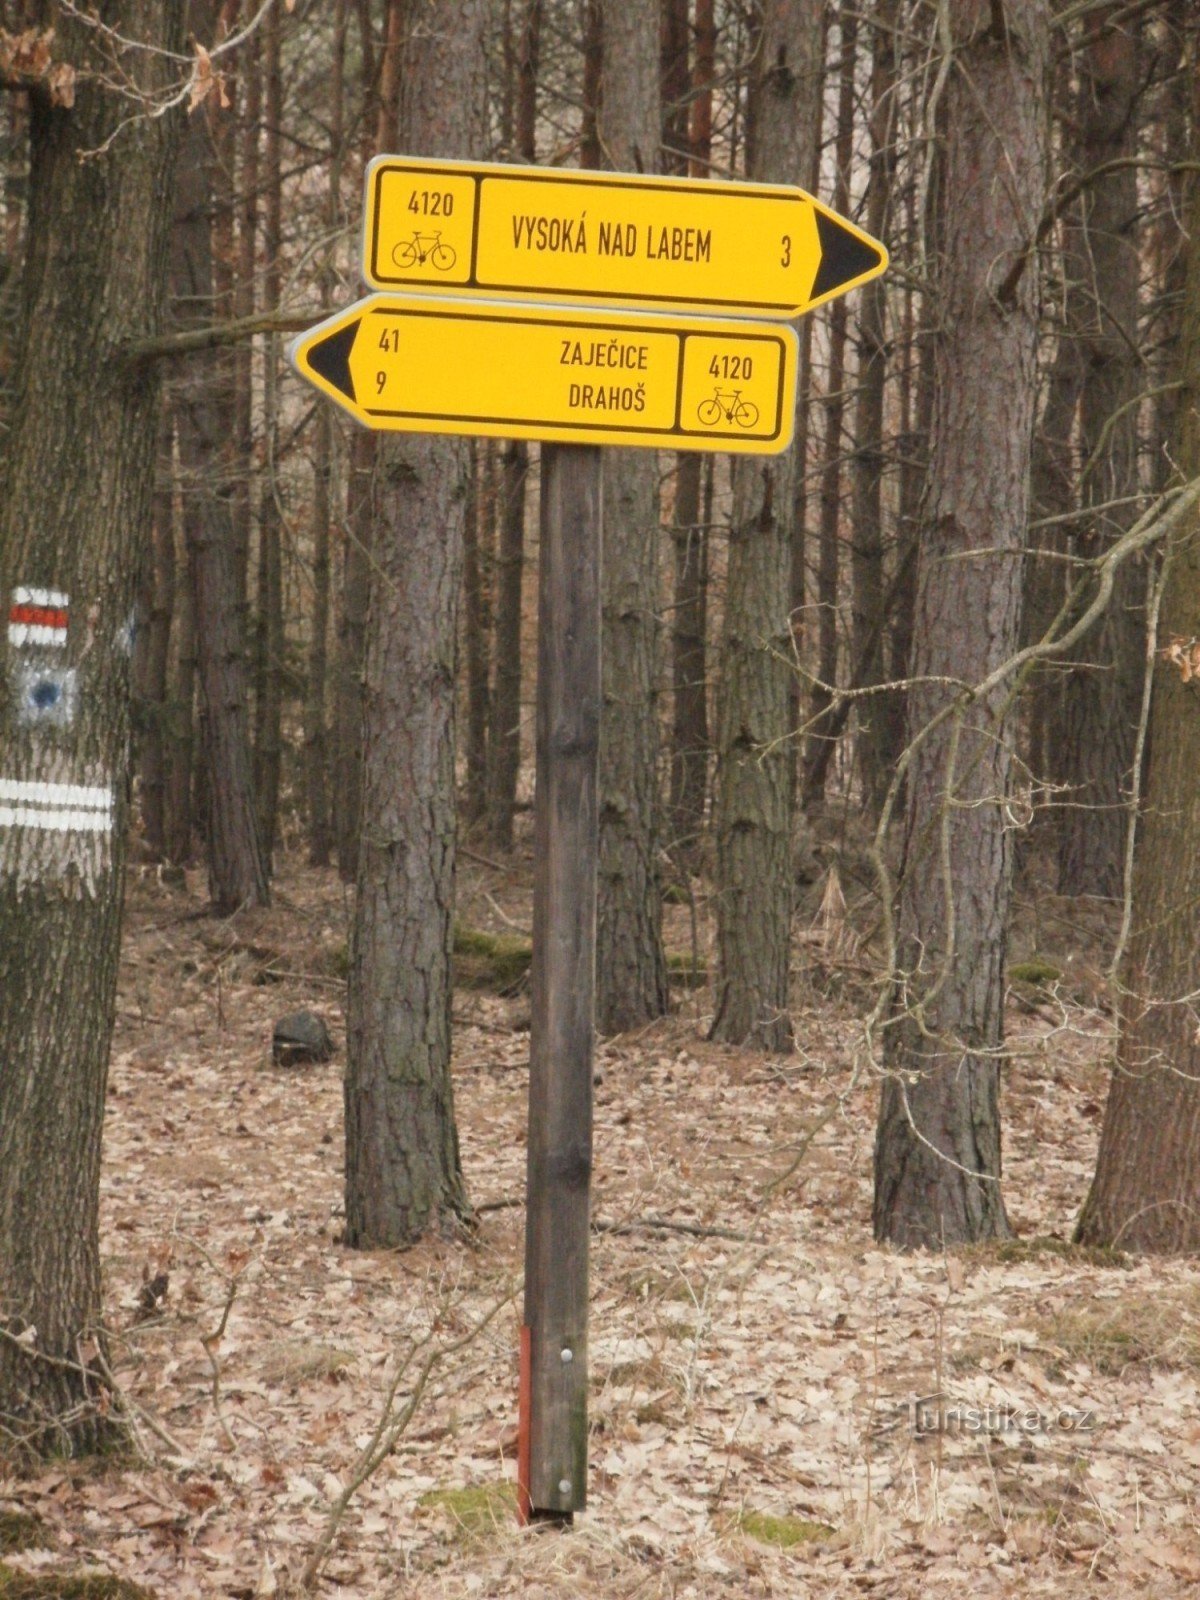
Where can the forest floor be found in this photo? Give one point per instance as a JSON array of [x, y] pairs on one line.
[[755, 1359]]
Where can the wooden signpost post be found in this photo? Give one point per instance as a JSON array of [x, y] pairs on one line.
[[453, 354]]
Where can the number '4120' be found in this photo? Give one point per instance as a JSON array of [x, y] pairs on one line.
[[735, 367]]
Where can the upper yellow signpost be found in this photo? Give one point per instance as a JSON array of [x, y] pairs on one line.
[[613, 239]]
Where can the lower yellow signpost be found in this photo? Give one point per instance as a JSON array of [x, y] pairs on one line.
[[414, 364]]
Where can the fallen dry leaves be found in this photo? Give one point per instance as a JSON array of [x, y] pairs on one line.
[[735, 1381]]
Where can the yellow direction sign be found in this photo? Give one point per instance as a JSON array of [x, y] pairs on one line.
[[412, 364], [545, 233]]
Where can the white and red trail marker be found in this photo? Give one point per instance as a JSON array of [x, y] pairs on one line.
[[38, 617]]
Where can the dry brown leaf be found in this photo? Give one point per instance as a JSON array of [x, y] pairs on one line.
[[203, 77]]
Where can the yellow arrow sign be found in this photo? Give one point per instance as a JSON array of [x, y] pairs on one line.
[[539, 233], [412, 364]]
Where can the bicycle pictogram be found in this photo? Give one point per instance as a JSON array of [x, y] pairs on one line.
[[727, 405], [423, 247]]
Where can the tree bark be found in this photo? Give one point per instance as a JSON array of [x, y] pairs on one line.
[[1146, 1191], [152, 654], [74, 522], [870, 460], [379, 124], [754, 813], [690, 739], [268, 666], [504, 742], [316, 727], [833, 445], [1102, 691], [236, 872], [937, 1154], [402, 1165], [631, 968], [477, 561], [180, 732]]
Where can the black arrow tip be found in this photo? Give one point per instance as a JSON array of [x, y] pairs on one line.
[[844, 255], [330, 357]]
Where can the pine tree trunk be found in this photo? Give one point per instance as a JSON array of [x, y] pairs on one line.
[[631, 969], [352, 636], [833, 445], [504, 747], [379, 124], [181, 722], [235, 864], [754, 813], [504, 740], [937, 1155], [245, 303], [867, 530], [152, 658], [268, 677], [402, 1166], [1102, 693], [477, 622], [689, 631], [74, 521], [1146, 1191], [316, 729]]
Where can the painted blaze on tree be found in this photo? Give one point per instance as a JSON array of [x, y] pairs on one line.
[[74, 515]]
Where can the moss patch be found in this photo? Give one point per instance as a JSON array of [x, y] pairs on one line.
[[68, 1586], [1040, 1245], [1035, 972], [684, 970], [490, 960], [782, 1531], [476, 1512]]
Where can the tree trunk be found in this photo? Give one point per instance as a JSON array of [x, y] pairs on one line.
[[268, 675], [689, 533], [152, 657], [352, 637], [402, 1165], [316, 729], [937, 1154], [245, 302], [1146, 1191], [1102, 692], [180, 732], [754, 813], [504, 742], [867, 532], [74, 521], [631, 968], [477, 552], [236, 872], [833, 446], [379, 135]]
